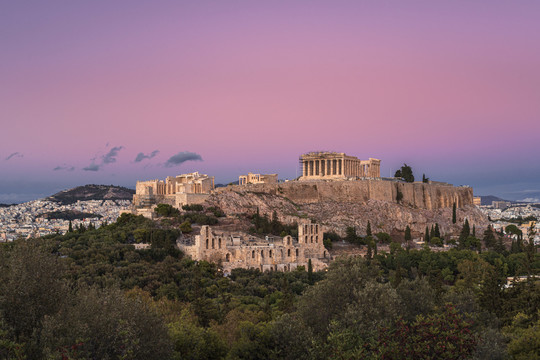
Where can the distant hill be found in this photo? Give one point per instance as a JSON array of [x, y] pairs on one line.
[[92, 192], [487, 200], [6, 205]]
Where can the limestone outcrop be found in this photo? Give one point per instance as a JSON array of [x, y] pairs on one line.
[[338, 204]]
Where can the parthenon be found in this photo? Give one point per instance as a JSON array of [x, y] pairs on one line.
[[332, 165]]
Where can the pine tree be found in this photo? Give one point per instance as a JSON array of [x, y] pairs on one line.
[[368, 229], [454, 219], [408, 236]]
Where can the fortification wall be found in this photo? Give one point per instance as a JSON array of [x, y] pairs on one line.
[[418, 195]]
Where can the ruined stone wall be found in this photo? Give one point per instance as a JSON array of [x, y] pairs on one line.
[[284, 255], [418, 195]]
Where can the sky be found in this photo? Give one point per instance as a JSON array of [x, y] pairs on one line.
[[111, 92]]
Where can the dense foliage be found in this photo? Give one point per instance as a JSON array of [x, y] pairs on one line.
[[91, 295]]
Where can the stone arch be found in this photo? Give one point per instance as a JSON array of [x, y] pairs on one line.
[[213, 243], [228, 257], [296, 252], [270, 253], [206, 244], [289, 253], [219, 243], [262, 254], [253, 254]]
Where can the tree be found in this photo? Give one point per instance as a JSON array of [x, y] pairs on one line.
[[350, 235], [383, 237], [368, 229], [408, 233], [106, 324], [310, 271], [405, 173], [166, 210], [454, 219], [424, 178], [185, 227], [489, 238], [31, 289], [426, 236], [465, 231], [70, 227], [437, 231], [399, 194]]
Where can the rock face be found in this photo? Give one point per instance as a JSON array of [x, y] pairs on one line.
[[339, 204]]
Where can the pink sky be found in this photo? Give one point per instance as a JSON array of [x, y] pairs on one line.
[[452, 89]]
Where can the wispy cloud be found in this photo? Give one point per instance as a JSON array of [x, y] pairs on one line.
[[14, 155], [182, 157], [108, 158], [141, 156], [64, 167]]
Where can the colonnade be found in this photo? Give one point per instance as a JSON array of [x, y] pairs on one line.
[[340, 167]]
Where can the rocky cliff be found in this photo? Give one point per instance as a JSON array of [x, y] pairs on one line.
[[338, 204]]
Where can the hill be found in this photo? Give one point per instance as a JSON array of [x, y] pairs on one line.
[[92, 192], [340, 204], [487, 200]]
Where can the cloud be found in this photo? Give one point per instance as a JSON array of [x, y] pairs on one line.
[[110, 157], [64, 167], [530, 199], [14, 155], [92, 167], [140, 156], [182, 157]]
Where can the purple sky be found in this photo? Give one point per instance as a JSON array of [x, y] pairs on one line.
[[452, 89]]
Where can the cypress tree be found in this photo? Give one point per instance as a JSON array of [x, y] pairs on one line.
[[474, 230], [489, 238], [408, 233], [454, 213], [369, 253], [432, 232], [70, 228], [465, 232], [310, 271], [437, 231], [426, 235], [368, 229]]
